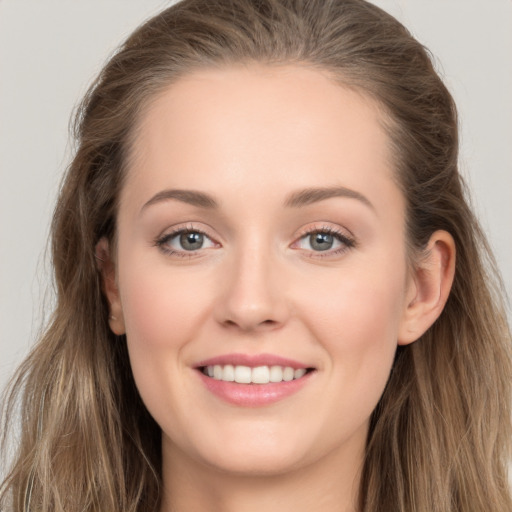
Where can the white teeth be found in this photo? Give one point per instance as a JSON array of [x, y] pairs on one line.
[[260, 375], [242, 374], [297, 374], [217, 372], [257, 375], [288, 374], [276, 374], [228, 373]]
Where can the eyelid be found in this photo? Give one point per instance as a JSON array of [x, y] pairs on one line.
[[324, 226], [344, 236], [161, 240]]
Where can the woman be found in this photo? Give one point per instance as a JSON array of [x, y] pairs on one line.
[[271, 291]]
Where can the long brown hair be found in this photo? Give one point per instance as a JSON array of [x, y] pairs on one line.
[[440, 436]]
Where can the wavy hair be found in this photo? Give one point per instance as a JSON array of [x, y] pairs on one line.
[[439, 439]]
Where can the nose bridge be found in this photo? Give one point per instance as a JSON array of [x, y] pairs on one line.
[[252, 297]]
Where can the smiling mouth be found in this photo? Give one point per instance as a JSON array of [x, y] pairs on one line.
[[241, 374]]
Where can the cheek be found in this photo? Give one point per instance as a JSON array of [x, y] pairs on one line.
[[357, 324], [160, 308], [358, 307], [162, 313]]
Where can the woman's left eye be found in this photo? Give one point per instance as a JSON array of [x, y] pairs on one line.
[[183, 241], [325, 241]]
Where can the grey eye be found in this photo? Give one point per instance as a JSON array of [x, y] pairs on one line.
[[324, 241], [191, 241], [185, 241], [321, 241]]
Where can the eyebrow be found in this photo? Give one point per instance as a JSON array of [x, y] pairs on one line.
[[313, 195], [192, 197], [297, 199]]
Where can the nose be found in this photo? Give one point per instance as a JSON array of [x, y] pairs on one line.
[[252, 295]]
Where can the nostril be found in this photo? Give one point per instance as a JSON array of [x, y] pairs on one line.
[[251, 326]]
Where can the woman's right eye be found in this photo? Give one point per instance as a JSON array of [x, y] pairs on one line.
[[184, 241]]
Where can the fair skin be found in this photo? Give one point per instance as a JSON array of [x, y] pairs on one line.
[[320, 278]]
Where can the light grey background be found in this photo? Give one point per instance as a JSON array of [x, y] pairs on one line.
[[50, 50]]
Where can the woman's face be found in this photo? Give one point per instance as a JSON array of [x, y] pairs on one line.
[[260, 229]]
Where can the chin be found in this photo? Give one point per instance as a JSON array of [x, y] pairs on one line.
[[255, 464], [252, 454]]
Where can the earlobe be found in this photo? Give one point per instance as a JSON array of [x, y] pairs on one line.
[[107, 269], [429, 287]]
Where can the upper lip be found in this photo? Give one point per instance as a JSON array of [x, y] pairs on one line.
[[252, 360]]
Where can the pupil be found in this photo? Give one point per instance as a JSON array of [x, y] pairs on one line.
[[321, 241], [191, 241]]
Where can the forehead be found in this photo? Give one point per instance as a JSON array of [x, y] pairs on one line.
[[242, 124]]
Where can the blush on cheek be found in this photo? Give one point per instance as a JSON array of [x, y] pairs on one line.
[[152, 340], [359, 327], [159, 308], [161, 317], [360, 315], [143, 317]]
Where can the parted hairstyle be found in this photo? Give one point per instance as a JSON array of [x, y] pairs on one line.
[[439, 439]]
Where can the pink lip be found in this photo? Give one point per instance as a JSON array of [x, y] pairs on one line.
[[252, 361], [252, 395]]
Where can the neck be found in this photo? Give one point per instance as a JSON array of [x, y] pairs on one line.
[[329, 484]]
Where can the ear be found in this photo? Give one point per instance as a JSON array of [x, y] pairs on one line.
[[428, 288], [107, 268]]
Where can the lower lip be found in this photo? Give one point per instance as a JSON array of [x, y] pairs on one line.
[[254, 395]]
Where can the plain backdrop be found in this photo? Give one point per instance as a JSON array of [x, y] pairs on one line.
[[50, 51]]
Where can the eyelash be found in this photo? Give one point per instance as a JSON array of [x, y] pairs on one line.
[[346, 241], [163, 240]]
